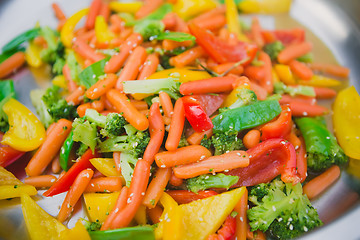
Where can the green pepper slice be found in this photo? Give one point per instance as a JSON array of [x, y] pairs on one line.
[[129, 233]]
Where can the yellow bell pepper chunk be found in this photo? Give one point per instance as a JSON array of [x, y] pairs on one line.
[[32, 55], [275, 77], [102, 32], [39, 223], [127, 7], [170, 226], [12, 191], [320, 81], [354, 167], [140, 216], [284, 73], [60, 81], [26, 132], [190, 8], [203, 217], [265, 6], [66, 34], [106, 166], [99, 205], [7, 178], [233, 96], [232, 20], [346, 117], [76, 233]]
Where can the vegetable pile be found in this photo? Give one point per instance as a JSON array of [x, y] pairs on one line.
[[169, 118]]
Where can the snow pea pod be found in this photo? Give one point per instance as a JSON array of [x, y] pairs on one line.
[[133, 233], [65, 151]]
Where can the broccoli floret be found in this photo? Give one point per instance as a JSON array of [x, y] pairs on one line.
[[307, 58], [149, 29], [207, 181], [57, 106], [273, 49], [226, 141], [183, 142], [92, 226], [245, 97], [281, 88], [206, 142], [40, 106], [127, 165], [282, 209], [85, 132], [4, 124]]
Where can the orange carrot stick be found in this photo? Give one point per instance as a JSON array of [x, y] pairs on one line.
[[116, 157], [220, 163], [139, 105], [176, 126], [43, 181], [241, 218], [170, 44], [137, 190], [324, 93], [149, 67], [210, 85], [132, 66], [148, 7], [285, 99], [209, 15], [260, 92], [180, 156], [72, 86], [175, 181], [254, 73], [11, 64], [117, 61], [267, 81], [81, 110], [131, 114], [319, 184], [55, 165], [105, 11], [294, 51], [300, 109], [187, 57], [93, 12], [58, 12], [49, 148], [256, 32], [86, 51], [214, 23], [104, 184], [169, 21], [119, 205], [222, 68], [301, 160], [181, 25], [156, 187], [86, 36], [98, 105], [166, 104], [252, 138], [301, 70], [332, 69], [196, 137], [154, 214], [76, 96], [101, 86], [157, 131], [74, 194]]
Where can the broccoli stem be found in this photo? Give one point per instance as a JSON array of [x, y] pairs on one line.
[[207, 181]]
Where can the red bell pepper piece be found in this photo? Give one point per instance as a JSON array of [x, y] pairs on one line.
[[226, 232], [65, 182], [210, 103], [185, 196], [196, 115], [268, 159], [221, 51], [280, 128], [8, 155], [287, 37]]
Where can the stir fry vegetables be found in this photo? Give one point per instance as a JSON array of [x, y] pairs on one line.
[[169, 118]]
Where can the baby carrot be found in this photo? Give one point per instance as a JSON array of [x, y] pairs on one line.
[[117, 61], [101, 86], [220, 163], [139, 105], [87, 52], [148, 7], [137, 190], [93, 12], [332, 69], [104, 184], [254, 73], [105, 11], [11, 64], [98, 105], [149, 67], [285, 99], [76, 96], [324, 93], [301, 70], [86, 36], [300, 109], [132, 66], [209, 14], [181, 25], [301, 161], [317, 185], [74, 194], [157, 131], [210, 85], [176, 126], [166, 104], [49, 148], [175, 181], [156, 187], [256, 32], [260, 92], [169, 21], [187, 57], [214, 23], [55, 165], [222, 68], [196, 137], [294, 51], [131, 114], [180, 156], [43, 181], [58, 12], [70, 82], [81, 110], [252, 138], [267, 81], [119, 205], [117, 157], [154, 214], [170, 44], [241, 218]]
